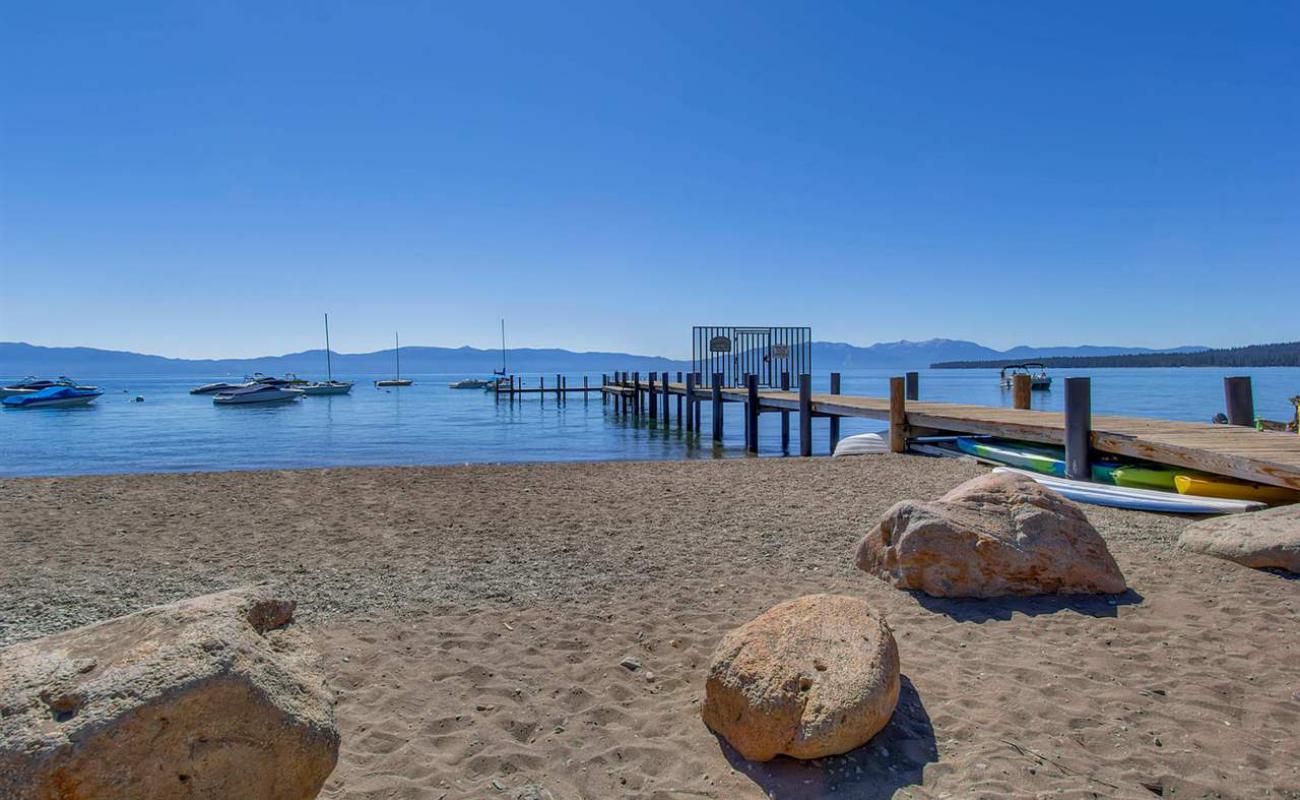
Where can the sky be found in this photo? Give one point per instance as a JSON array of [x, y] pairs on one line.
[[205, 179]]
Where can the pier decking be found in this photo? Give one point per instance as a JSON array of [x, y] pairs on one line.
[[1268, 457]]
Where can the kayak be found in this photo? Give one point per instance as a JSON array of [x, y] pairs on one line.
[[1041, 458], [1016, 454], [1137, 499], [1145, 477], [1214, 486], [861, 444]]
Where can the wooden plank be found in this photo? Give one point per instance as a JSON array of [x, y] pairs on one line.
[[897, 415]]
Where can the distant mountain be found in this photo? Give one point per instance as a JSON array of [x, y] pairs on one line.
[[20, 358], [918, 355], [1286, 354]]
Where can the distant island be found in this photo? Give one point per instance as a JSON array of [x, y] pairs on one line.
[[1285, 354]]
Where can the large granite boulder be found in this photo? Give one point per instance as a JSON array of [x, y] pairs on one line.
[[998, 534], [1268, 538], [209, 697], [811, 677]]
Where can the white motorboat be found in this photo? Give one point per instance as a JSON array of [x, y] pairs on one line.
[[219, 386], [470, 383], [32, 384], [257, 394], [1039, 380]]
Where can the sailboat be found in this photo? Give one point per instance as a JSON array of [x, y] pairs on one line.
[[330, 386], [399, 380]]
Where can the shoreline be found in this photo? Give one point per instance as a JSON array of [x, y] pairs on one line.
[[473, 618]]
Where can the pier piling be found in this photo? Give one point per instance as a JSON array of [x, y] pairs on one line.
[[690, 403], [1240, 400], [1021, 389], [835, 421], [1078, 428], [913, 385], [751, 413], [785, 416], [805, 415], [717, 407], [897, 415]]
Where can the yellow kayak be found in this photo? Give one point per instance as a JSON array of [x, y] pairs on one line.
[[1214, 486]]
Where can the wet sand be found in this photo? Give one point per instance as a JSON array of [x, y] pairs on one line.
[[473, 620]]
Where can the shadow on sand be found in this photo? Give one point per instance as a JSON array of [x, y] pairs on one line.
[[894, 758], [975, 609]]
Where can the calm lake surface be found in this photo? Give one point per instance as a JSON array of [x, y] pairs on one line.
[[428, 423]]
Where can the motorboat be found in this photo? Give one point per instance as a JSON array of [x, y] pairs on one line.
[[220, 386], [289, 379], [399, 380], [1039, 380], [471, 383], [32, 384], [258, 393], [54, 397], [324, 388]]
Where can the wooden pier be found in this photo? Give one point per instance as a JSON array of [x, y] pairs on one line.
[[1267, 457]]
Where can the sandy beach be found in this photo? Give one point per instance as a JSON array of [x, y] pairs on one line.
[[473, 620]]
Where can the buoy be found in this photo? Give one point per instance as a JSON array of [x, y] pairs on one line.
[[139, 398]]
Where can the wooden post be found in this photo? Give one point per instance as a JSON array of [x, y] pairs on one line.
[[835, 421], [897, 415], [1021, 389], [604, 395], [751, 413], [785, 415], [559, 388], [652, 397], [690, 403], [913, 385], [584, 388], [667, 396], [805, 415], [1240, 400], [699, 418], [717, 407], [1078, 428], [512, 388], [679, 403], [541, 389], [636, 394]]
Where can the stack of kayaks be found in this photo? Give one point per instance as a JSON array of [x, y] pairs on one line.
[[1175, 489]]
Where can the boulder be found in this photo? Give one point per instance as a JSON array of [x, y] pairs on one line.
[[998, 534], [209, 697], [1269, 538], [811, 677]]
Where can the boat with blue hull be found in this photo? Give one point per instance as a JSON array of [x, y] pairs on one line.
[[54, 397]]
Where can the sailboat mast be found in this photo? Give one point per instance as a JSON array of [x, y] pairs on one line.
[[329, 371], [503, 346], [397, 348]]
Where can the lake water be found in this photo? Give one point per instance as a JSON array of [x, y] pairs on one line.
[[428, 423]]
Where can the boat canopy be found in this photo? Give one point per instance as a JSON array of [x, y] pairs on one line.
[[1029, 366]]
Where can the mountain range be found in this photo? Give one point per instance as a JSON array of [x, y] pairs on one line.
[[20, 358]]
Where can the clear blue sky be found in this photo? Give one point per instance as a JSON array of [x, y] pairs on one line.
[[204, 179]]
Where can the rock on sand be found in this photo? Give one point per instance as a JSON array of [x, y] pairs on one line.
[[203, 698], [1268, 538], [998, 534], [811, 677]]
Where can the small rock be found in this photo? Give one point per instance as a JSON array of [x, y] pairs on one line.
[[630, 663]]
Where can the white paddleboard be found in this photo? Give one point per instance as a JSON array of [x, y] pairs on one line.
[[1137, 499]]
